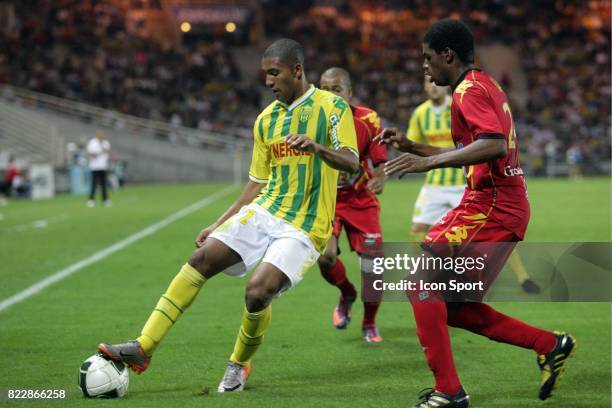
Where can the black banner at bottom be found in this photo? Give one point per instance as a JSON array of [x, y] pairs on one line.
[[559, 272]]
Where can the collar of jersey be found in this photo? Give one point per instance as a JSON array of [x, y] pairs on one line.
[[299, 100], [462, 77]]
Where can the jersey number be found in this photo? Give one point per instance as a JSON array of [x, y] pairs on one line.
[[512, 134], [244, 219]]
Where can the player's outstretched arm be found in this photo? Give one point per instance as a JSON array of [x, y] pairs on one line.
[[250, 191], [480, 151], [342, 159], [399, 141]]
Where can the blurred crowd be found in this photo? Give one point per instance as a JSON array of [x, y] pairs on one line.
[[564, 50], [81, 50], [566, 58]]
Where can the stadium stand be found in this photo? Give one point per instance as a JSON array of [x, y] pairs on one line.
[[25, 118], [88, 53]]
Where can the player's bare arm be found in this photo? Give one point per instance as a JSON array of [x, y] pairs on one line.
[[342, 159], [480, 151], [250, 191], [399, 141]]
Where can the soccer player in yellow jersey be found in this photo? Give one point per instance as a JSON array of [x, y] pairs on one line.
[[280, 223], [444, 187]]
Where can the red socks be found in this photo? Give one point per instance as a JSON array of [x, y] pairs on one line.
[[482, 319], [336, 275], [369, 313], [433, 334], [432, 318]]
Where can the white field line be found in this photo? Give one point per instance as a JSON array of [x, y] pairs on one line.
[[98, 256]]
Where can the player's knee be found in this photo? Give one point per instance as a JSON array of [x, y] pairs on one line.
[[258, 297], [327, 261], [199, 262]]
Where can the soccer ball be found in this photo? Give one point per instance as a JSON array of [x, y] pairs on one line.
[[101, 377]]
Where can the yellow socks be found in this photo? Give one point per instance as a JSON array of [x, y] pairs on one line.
[[180, 294], [518, 268], [250, 335]]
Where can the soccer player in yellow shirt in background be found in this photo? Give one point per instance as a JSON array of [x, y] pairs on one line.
[[444, 187], [280, 223]]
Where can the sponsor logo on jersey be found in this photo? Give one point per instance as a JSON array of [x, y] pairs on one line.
[[513, 171], [335, 121], [280, 150]]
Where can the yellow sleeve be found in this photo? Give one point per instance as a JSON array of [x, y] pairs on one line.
[[414, 129], [342, 127], [260, 163]]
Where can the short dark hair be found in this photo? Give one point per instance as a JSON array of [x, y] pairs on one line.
[[453, 34], [287, 50], [341, 73]]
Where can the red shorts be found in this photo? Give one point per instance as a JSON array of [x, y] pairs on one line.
[[481, 217], [359, 214], [482, 229]]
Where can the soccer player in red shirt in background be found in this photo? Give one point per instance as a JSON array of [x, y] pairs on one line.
[[494, 208], [357, 209], [9, 177]]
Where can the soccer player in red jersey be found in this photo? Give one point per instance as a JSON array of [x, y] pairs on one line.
[[357, 210], [11, 175], [494, 209]]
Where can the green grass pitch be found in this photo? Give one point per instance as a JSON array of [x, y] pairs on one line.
[[304, 361]]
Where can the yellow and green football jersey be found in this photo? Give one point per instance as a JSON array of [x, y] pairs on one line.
[[432, 125], [301, 188]]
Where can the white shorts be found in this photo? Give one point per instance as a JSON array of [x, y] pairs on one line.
[[258, 236], [434, 202]]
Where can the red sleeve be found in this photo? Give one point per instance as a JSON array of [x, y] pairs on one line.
[[377, 152], [479, 113]]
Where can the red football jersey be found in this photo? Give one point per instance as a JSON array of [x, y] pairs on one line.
[[13, 171], [480, 110], [367, 126]]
